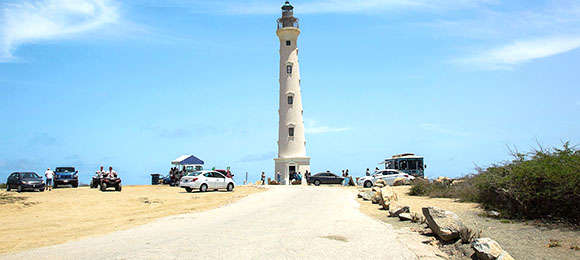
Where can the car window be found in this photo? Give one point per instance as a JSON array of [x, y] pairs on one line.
[[218, 175], [194, 173], [207, 174], [65, 169], [12, 176], [30, 175]]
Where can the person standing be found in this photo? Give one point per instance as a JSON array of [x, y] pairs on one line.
[[49, 176], [263, 178], [278, 177], [368, 172], [346, 180]]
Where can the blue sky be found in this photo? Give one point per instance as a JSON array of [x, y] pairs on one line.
[[135, 84]]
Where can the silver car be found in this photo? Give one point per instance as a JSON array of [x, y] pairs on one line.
[[204, 180], [388, 175]]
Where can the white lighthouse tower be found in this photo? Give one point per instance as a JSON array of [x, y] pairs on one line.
[[291, 142]]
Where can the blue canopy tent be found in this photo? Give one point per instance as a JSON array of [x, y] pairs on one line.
[[187, 160]]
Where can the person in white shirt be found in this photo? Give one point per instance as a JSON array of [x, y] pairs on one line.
[[111, 173], [101, 172], [49, 176]]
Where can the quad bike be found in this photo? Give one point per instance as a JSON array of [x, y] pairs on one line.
[[95, 181], [111, 182]]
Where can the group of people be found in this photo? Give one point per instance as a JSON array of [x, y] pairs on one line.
[[368, 173], [345, 175], [175, 174], [107, 174]]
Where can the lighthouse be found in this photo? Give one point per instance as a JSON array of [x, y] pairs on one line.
[[291, 141]]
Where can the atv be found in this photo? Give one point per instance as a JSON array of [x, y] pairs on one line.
[[95, 181], [111, 182]]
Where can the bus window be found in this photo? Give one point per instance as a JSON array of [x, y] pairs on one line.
[[412, 164], [403, 165]]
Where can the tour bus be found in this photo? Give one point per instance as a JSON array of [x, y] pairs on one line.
[[408, 163]]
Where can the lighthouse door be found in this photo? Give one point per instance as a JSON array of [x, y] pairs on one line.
[[291, 169]]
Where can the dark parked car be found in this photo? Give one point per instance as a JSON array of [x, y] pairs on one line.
[[22, 181], [65, 176], [324, 178]]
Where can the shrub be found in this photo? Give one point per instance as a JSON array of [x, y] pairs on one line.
[[543, 184], [2, 185]]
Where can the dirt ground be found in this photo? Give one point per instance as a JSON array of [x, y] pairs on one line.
[[65, 214], [523, 240]]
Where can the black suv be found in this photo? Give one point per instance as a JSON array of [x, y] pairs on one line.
[[22, 181]]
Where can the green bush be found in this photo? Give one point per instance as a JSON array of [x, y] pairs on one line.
[[543, 184], [2, 185]]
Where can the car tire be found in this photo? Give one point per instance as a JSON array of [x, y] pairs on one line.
[[368, 184], [317, 183], [19, 189], [54, 185], [75, 185], [230, 187], [41, 190], [203, 188], [188, 189], [118, 187], [103, 186], [7, 187]]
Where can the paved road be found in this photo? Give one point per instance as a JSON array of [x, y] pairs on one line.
[[281, 223]]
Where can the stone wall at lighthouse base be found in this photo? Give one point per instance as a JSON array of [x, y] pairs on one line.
[[283, 166]]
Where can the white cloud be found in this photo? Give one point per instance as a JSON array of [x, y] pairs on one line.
[[518, 52], [311, 127], [25, 22]]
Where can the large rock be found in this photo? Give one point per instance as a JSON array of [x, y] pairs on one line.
[[399, 181], [388, 195], [405, 217], [380, 183], [395, 209], [445, 224], [487, 249], [367, 195], [377, 198]]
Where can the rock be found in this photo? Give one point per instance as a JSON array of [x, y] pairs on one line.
[[368, 195], [405, 216], [376, 189], [388, 195], [380, 183], [399, 181], [377, 198], [505, 256], [445, 224], [395, 209], [487, 249], [442, 180]]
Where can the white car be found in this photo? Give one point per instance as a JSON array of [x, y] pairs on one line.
[[204, 180], [388, 175]]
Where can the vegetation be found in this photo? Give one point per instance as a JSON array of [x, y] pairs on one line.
[[542, 184], [2, 185]]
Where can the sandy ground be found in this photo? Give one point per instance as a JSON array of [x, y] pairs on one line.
[[66, 214], [523, 240], [299, 222]]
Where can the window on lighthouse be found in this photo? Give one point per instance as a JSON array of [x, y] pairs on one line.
[[290, 100], [288, 43], [291, 131], [289, 69]]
